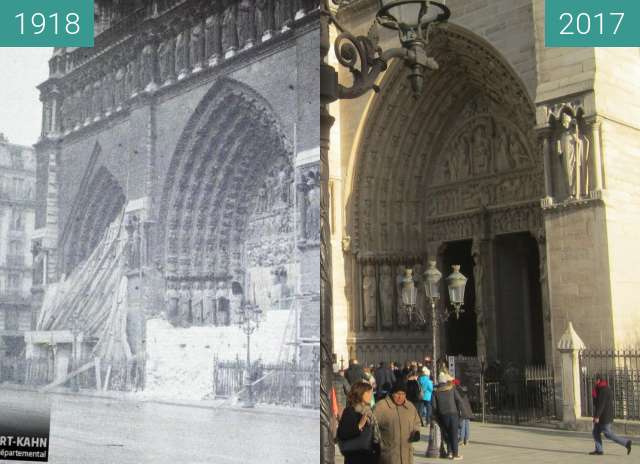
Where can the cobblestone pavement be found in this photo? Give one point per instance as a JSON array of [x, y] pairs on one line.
[[86, 430], [509, 444]]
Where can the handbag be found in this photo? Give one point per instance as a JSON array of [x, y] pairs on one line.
[[362, 442]]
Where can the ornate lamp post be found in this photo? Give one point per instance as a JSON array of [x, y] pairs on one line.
[[456, 283], [249, 318], [413, 19]]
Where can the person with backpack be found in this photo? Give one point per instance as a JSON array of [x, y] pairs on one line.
[[603, 417]]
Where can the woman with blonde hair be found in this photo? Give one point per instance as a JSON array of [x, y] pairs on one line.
[[358, 432]]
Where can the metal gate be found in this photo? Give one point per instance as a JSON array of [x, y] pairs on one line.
[[518, 395]]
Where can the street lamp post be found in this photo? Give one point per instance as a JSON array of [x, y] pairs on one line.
[[456, 283], [249, 318], [413, 19]]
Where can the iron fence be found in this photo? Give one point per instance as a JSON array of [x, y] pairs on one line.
[[521, 395], [285, 383], [621, 369]]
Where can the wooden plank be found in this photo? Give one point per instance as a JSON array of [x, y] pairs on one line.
[[70, 375]]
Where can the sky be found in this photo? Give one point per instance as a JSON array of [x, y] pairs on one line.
[[21, 70]]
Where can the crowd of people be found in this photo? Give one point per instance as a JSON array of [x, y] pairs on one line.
[[379, 410]]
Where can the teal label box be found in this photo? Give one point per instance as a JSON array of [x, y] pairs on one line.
[[46, 23], [592, 23]]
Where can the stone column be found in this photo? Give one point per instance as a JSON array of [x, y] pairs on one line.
[[594, 126], [569, 346], [480, 252], [544, 138], [541, 239]]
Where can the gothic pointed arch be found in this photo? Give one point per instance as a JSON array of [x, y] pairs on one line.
[[227, 202], [100, 199], [466, 145]]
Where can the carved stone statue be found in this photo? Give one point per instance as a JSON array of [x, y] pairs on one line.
[[262, 201], [283, 14], [478, 278], [196, 47], [166, 60], [172, 298], [147, 78], [182, 54], [197, 304], [185, 317], [120, 88], [213, 46], [246, 24], [504, 157], [403, 317], [312, 209], [386, 295], [209, 303], [131, 79], [369, 299], [264, 18], [421, 298], [481, 151], [229, 32], [572, 149]]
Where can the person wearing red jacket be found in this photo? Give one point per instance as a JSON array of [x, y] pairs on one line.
[[603, 417]]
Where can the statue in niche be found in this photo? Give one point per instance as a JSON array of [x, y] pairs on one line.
[[283, 14], [196, 47], [209, 303], [263, 199], [182, 54], [146, 72], [517, 151], [172, 298], [264, 18], [166, 60], [229, 31], [131, 87], [504, 157], [246, 24], [403, 317], [185, 317], [107, 92], [197, 304], [572, 149], [120, 90], [312, 207], [478, 278], [96, 104], [421, 297], [212, 37], [386, 296], [481, 151], [369, 297]]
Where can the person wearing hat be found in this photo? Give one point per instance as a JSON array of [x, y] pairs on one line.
[[399, 424], [447, 405], [426, 385]]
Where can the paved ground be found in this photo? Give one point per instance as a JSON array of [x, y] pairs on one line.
[[87, 430], [498, 444]]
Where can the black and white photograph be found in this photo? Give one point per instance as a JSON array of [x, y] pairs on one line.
[[160, 234]]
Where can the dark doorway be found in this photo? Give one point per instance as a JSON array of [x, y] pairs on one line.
[[460, 333], [518, 300]]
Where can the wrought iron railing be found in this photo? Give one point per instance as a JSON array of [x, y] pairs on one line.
[[621, 369], [285, 383]]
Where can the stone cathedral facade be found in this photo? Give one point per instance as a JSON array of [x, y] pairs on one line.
[[518, 162], [198, 119]]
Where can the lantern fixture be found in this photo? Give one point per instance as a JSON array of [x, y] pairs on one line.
[[456, 282], [432, 278]]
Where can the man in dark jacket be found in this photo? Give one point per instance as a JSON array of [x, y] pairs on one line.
[[354, 372], [385, 379], [603, 417]]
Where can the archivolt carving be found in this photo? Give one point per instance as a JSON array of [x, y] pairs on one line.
[[462, 147], [228, 191]]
